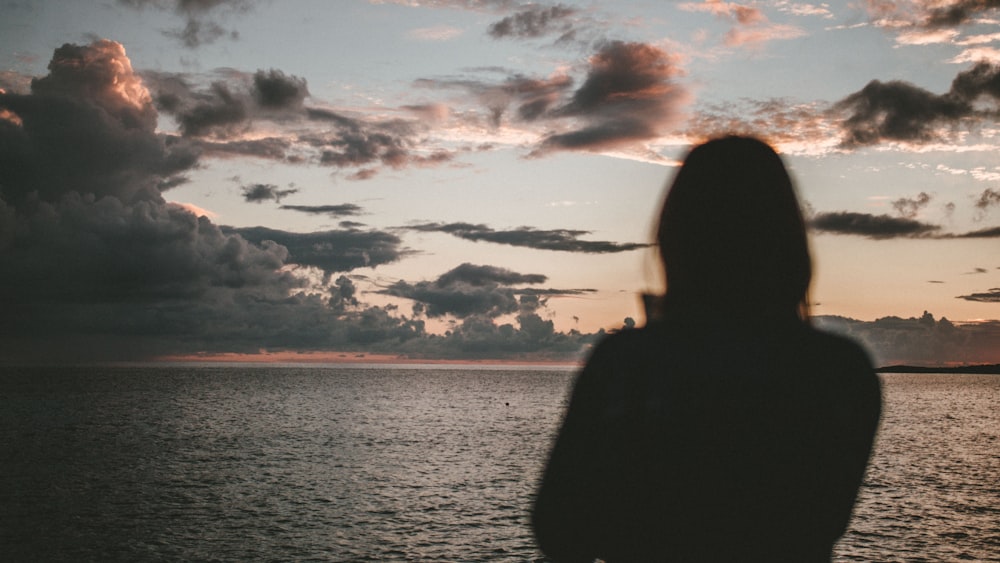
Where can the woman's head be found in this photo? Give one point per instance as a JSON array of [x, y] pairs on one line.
[[731, 237]]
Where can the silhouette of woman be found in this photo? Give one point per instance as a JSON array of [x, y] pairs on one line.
[[728, 429]]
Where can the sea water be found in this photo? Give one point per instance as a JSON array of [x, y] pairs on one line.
[[398, 463]]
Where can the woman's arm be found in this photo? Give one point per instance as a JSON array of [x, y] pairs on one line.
[[568, 518]]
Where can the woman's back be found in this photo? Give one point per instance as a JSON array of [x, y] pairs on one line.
[[710, 443], [729, 430]]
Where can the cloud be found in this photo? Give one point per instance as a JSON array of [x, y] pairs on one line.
[[532, 98], [628, 96], [478, 293], [220, 120], [977, 54], [988, 199], [467, 290], [929, 15], [273, 89], [897, 111], [200, 27], [956, 12], [472, 5], [356, 143], [991, 296], [268, 148], [900, 111], [256, 193], [96, 265], [993, 232], [881, 227], [229, 104], [909, 207], [920, 340], [870, 226], [565, 240], [535, 21], [88, 126], [340, 210], [219, 111], [81, 248], [331, 251], [803, 9]]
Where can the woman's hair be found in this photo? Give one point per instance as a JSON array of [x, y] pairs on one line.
[[731, 236]]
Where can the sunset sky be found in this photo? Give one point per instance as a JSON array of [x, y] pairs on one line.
[[474, 179]]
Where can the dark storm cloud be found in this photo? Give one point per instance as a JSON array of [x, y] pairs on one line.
[[982, 80], [331, 251], [988, 198], [81, 249], [220, 113], [920, 340], [356, 147], [881, 227], [897, 111], [274, 90], [228, 105], [256, 193], [340, 210], [88, 126], [629, 95], [909, 207], [217, 119], [958, 12], [478, 276], [992, 232], [96, 265], [565, 240], [355, 142], [900, 111], [991, 296], [534, 21], [200, 27], [467, 290], [870, 226], [476, 296]]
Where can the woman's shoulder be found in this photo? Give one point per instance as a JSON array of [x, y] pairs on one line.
[[835, 346], [631, 341], [667, 338]]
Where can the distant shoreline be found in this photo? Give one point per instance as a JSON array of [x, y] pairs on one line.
[[975, 369]]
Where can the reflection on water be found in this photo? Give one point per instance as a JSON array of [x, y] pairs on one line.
[[933, 487], [401, 464]]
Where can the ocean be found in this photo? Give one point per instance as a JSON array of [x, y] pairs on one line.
[[398, 463]]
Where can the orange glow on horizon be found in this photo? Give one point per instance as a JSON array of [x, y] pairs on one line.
[[317, 357]]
